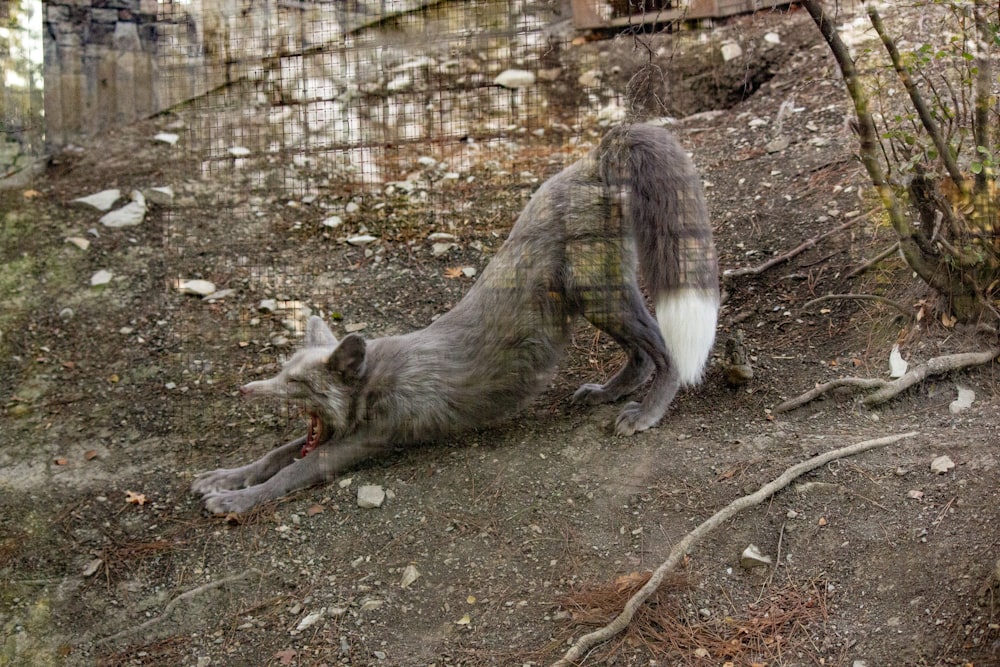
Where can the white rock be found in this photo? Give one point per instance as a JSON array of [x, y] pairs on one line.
[[361, 239], [401, 82], [515, 78], [777, 144], [127, 216], [79, 242], [441, 236], [897, 365], [167, 138], [730, 51], [239, 151], [196, 286], [752, 557], [92, 567], [963, 402], [267, 305], [410, 574], [332, 222], [772, 38], [102, 277], [352, 207], [102, 201], [66, 314], [468, 271], [942, 464], [354, 327], [370, 495], [310, 620], [220, 295], [590, 79], [439, 249], [425, 161], [160, 195]]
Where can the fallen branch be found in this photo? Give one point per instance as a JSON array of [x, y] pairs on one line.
[[862, 297], [620, 622], [888, 389], [177, 600], [935, 366], [885, 254], [774, 261]]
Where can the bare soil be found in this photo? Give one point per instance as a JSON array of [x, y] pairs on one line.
[[521, 534]]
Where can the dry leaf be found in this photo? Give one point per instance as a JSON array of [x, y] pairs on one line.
[[287, 656], [948, 321], [114, 378], [465, 620], [701, 652], [90, 454], [822, 521], [410, 574], [60, 461], [631, 580], [315, 509], [726, 475], [471, 599], [135, 498], [453, 272], [31, 194]]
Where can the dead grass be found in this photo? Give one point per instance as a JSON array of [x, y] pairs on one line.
[[766, 632]]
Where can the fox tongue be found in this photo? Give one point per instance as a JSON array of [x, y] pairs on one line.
[[315, 435]]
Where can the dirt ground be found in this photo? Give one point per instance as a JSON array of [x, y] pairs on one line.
[[522, 534]]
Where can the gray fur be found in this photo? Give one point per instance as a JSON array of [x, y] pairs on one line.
[[574, 250]]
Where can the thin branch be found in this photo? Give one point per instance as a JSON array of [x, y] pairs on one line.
[[774, 261], [177, 600], [885, 254], [926, 118], [620, 622], [820, 389], [862, 297]]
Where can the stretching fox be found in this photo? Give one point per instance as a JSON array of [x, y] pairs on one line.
[[635, 200]]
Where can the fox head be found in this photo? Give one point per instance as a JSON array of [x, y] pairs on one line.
[[320, 376]]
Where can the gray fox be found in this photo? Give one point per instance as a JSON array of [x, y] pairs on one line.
[[635, 202]]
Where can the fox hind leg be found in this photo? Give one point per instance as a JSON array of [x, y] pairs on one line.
[[624, 317]]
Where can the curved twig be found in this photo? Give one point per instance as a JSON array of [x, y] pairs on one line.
[[820, 389], [177, 600], [935, 366], [862, 297], [620, 622]]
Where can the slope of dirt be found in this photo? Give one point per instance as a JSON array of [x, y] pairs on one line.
[[130, 389]]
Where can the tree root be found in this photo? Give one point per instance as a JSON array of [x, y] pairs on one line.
[[886, 389], [620, 622], [862, 297], [173, 603], [728, 275]]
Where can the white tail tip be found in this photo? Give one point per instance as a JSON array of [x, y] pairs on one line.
[[687, 319]]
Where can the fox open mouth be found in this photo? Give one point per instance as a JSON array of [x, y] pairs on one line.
[[316, 436]]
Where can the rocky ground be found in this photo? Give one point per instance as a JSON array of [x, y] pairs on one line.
[[500, 546]]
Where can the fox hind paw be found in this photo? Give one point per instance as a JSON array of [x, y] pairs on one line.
[[633, 419]]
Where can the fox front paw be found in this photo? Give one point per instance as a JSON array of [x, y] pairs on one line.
[[632, 419], [223, 479], [234, 501]]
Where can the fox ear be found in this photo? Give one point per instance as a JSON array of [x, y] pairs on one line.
[[318, 334], [349, 357]]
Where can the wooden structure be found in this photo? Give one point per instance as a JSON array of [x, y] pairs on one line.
[[587, 14]]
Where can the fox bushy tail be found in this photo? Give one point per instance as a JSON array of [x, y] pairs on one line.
[[665, 204]]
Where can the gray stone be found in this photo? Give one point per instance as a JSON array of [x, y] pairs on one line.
[[127, 216], [370, 495]]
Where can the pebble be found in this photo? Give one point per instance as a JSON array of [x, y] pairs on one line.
[[66, 314], [752, 557], [772, 38], [590, 79], [515, 78], [942, 464], [129, 215], [160, 195], [102, 277], [167, 138], [239, 151], [332, 222], [352, 207], [102, 201], [361, 239], [963, 402], [441, 248], [310, 620], [196, 286], [354, 327], [731, 51], [79, 242], [220, 295], [370, 496], [267, 305]]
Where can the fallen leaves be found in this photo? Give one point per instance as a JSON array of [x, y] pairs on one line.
[[134, 498]]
